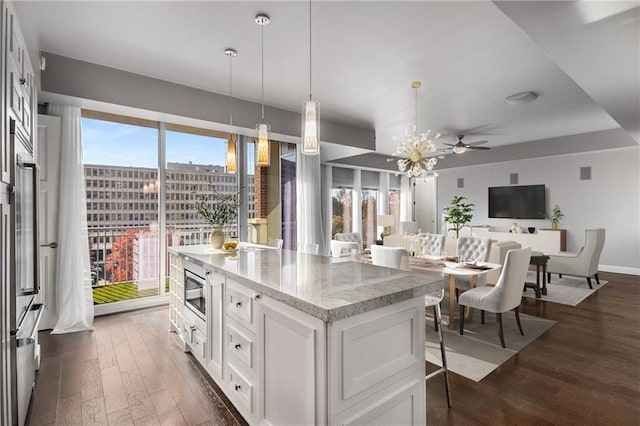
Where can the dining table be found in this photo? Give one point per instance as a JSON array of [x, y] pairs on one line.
[[453, 269]]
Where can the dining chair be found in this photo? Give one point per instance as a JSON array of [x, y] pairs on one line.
[[343, 248], [275, 242], [309, 248], [472, 249], [352, 237], [581, 264], [432, 244], [391, 257], [505, 296]]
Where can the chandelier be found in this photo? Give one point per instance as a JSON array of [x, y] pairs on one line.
[[417, 149]]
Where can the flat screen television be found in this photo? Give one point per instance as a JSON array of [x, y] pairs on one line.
[[517, 202]]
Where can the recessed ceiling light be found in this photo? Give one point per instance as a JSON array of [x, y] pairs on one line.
[[521, 98]]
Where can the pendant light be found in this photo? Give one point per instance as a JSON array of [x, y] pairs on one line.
[[231, 143], [310, 114], [262, 128]]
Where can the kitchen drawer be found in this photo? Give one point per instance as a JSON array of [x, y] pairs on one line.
[[198, 346], [192, 319], [240, 388], [240, 343], [240, 304]]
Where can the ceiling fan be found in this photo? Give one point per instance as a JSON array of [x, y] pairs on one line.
[[461, 147]]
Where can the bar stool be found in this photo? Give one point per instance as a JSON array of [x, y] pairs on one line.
[[433, 300]]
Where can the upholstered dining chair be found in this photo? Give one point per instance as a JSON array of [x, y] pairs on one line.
[[432, 244], [581, 264], [391, 257], [506, 295], [472, 249], [343, 248]]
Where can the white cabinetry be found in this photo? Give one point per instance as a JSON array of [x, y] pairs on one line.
[[291, 366], [176, 294], [215, 321]]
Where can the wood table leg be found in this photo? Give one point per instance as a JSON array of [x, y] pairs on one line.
[[452, 301]]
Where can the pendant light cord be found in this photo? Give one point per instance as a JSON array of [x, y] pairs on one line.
[[262, 60], [415, 121], [310, 67], [230, 92]]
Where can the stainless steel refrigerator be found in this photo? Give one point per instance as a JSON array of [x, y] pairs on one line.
[[25, 313]]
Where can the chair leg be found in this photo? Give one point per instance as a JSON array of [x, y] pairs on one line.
[[548, 277], [436, 317], [443, 353], [597, 279], [589, 282], [482, 316], [461, 319], [559, 275], [517, 311], [499, 315], [457, 294]]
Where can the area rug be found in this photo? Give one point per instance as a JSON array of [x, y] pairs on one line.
[[566, 290], [478, 352]]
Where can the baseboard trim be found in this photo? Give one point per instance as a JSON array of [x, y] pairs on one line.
[[620, 269], [130, 305]]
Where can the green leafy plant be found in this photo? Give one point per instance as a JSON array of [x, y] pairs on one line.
[[459, 213], [218, 208], [555, 216]]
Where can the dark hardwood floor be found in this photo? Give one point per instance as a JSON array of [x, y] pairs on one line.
[[585, 370], [127, 372]]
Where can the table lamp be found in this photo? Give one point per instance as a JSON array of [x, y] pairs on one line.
[[385, 220]]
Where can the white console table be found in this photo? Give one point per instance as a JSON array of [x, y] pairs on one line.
[[547, 241]]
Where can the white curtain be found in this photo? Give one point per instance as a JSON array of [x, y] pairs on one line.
[[75, 298], [309, 225]]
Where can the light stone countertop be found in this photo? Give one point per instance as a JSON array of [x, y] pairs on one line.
[[326, 288]]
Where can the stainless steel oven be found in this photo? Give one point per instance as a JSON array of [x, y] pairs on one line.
[[195, 289]]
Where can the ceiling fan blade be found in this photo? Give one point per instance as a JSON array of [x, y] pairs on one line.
[[449, 144], [477, 143], [478, 147]]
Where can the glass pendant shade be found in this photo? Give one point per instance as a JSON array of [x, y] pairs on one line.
[[310, 127], [263, 145], [459, 149], [231, 154]]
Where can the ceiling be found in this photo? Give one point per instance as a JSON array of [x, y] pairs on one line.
[[582, 63]]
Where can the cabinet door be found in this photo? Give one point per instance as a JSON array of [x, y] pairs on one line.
[[215, 316], [291, 366], [5, 309]]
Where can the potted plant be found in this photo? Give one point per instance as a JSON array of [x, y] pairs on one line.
[[219, 209], [556, 215], [458, 214]]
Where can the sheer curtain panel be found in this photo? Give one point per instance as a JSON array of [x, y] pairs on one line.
[[75, 297], [309, 201]]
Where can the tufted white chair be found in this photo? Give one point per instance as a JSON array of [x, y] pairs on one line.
[[343, 248], [581, 264], [390, 257], [431, 244], [472, 248], [352, 237], [505, 296], [498, 254]]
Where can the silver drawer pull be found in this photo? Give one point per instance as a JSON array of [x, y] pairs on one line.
[[238, 346], [238, 387], [256, 297], [23, 81], [193, 328], [238, 304]]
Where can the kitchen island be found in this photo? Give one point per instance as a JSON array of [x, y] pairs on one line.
[[294, 338]]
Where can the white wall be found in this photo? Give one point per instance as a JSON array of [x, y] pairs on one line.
[[609, 200]]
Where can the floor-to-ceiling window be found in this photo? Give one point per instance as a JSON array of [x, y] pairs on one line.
[[341, 210], [369, 216], [120, 158], [394, 210]]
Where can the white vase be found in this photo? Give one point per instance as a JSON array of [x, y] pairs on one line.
[[216, 237]]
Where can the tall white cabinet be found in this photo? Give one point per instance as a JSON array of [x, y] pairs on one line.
[[18, 103]]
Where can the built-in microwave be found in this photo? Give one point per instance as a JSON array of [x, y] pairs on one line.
[[195, 289]]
